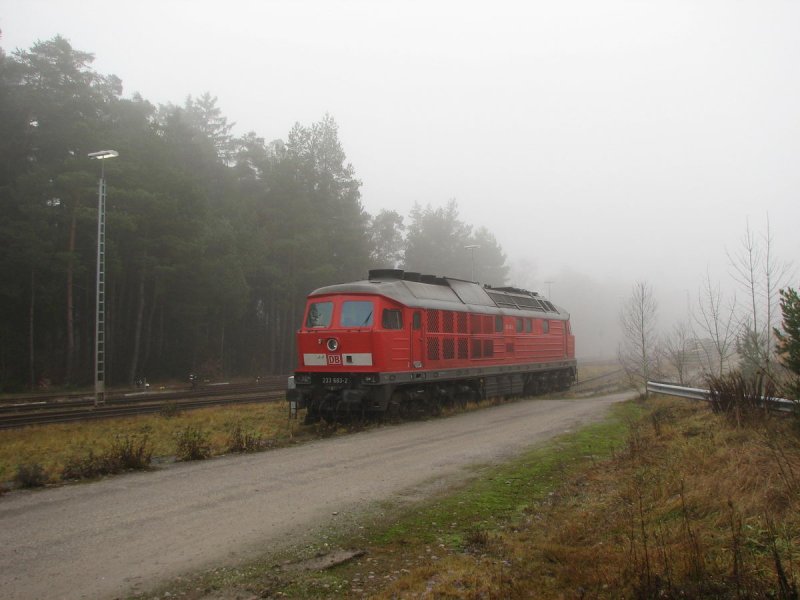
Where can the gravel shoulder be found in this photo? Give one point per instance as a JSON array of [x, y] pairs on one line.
[[127, 534]]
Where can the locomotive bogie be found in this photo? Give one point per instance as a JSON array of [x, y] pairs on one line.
[[400, 343]]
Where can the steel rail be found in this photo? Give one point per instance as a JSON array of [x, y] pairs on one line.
[[598, 377], [110, 411], [671, 389], [32, 402]]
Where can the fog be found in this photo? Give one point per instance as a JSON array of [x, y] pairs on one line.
[[601, 142]]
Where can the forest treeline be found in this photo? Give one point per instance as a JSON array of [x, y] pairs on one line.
[[213, 240]]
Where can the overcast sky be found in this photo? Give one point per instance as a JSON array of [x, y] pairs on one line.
[[618, 140]]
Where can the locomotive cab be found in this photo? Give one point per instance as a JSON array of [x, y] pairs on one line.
[[344, 342]]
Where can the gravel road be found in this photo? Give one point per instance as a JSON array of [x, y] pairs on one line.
[[126, 534]]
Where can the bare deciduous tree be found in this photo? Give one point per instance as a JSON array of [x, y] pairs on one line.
[[679, 350], [776, 275], [717, 328], [761, 274], [638, 350], [746, 266]]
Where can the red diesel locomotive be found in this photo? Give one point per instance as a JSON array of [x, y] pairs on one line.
[[401, 342]]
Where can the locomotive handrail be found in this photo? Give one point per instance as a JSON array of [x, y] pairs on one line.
[[671, 389]]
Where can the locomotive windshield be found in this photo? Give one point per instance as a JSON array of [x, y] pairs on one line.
[[319, 314], [356, 313]]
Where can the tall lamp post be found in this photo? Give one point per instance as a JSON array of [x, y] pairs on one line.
[[472, 249], [100, 312]]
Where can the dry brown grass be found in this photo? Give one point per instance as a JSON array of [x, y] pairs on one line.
[[55, 446], [185, 435], [691, 507]]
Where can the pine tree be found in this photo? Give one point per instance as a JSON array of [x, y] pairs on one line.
[[788, 346]]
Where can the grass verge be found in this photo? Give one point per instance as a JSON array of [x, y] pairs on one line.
[[665, 500], [89, 449], [50, 454], [689, 505], [391, 545]]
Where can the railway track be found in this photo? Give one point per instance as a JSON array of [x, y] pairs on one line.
[[41, 409], [583, 383], [65, 408]]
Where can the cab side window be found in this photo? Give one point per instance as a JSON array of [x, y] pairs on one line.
[[392, 319], [319, 314]]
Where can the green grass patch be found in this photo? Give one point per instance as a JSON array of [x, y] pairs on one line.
[[686, 506], [501, 493]]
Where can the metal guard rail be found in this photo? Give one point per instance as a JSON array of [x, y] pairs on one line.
[[670, 389]]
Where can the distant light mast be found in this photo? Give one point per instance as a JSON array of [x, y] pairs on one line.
[[472, 248], [100, 307]]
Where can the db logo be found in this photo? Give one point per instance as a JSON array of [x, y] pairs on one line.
[[334, 359]]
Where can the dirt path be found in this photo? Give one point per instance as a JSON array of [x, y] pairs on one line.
[[126, 534]]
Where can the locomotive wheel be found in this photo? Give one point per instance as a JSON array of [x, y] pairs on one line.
[[462, 398], [397, 406], [327, 408], [417, 406], [566, 380], [434, 407], [312, 416]]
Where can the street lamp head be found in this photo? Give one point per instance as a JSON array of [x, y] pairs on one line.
[[103, 154], [471, 247]]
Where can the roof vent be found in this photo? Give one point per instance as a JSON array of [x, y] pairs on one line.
[[385, 274], [433, 280]]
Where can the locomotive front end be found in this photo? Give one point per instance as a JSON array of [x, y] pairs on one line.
[[338, 357]]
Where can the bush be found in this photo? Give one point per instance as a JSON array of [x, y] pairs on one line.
[[741, 398], [192, 444], [127, 453], [30, 475], [87, 466], [243, 441], [130, 453], [170, 409]]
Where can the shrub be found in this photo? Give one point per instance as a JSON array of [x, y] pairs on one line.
[[130, 453], [126, 453], [87, 466], [741, 398], [243, 441], [30, 475], [192, 444], [170, 409]]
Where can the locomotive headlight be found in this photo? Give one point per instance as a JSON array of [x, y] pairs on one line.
[[332, 344]]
